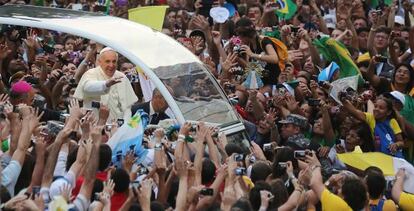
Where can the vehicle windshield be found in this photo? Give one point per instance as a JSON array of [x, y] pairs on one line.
[[197, 94]]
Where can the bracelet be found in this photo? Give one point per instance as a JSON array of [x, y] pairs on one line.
[[374, 29], [181, 136]]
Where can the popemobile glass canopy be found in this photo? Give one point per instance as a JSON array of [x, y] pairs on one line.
[[163, 60]]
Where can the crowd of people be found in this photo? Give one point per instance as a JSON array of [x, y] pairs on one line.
[[310, 82]]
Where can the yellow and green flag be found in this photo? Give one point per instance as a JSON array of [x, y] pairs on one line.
[[152, 16], [287, 9], [334, 51]]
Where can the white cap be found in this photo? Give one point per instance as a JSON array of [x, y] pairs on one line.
[[105, 50], [400, 20], [219, 14], [399, 96]]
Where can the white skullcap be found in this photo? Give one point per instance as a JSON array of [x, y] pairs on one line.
[[105, 50]]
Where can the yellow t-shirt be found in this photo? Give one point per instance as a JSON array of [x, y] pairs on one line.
[[389, 205], [331, 201], [370, 120], [406, 202]]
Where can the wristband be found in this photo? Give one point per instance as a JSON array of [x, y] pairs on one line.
[[181, 136]]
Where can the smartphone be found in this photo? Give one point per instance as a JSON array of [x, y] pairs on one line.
[[294, 29], [267, 147], [96, 105], [299, 154], [282, 164], [207, 191], [314, 102], [238, 157], [382, 59], [240, 171]]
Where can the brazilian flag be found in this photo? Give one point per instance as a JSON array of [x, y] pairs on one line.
[[287, 9], [334, 51]]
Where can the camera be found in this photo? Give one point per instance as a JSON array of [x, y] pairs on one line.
[[314, 102], [142, 170], [238, 157], [237, 70], [282, 164], [96, 105], [382, 59], [238, 50], [54, 127], [267, 147], [240, 171], [207, 191], [298, 154], [294, 29]]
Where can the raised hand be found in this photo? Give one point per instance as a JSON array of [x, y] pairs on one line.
[[96, 133], [74, 109], [185, 129], [113, 81], [229, 62], [128, 161], [4, 51], [216, 37]]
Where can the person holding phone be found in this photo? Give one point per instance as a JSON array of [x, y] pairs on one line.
[[108, 86]]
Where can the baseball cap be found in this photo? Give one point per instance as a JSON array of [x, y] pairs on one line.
[[397, 96], [400, 20]]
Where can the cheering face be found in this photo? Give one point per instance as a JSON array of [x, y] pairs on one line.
[[351, 141], [380, 110], [381, 40], [108, 62], [402, 75]]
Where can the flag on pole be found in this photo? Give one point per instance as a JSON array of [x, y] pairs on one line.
[[334, 51], [152, 16], [287, 9], [129, 137]]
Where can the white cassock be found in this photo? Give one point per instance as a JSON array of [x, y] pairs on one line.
[[119, 97]]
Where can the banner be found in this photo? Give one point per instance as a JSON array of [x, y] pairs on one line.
[[152, 16]]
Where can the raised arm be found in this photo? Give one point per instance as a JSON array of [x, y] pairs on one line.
[[92, 163], [353, 111]]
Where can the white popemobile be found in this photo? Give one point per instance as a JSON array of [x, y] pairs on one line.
[[163, 60]]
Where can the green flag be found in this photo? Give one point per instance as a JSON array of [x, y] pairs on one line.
[[376, 3], [287, 9], [334, 51]]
